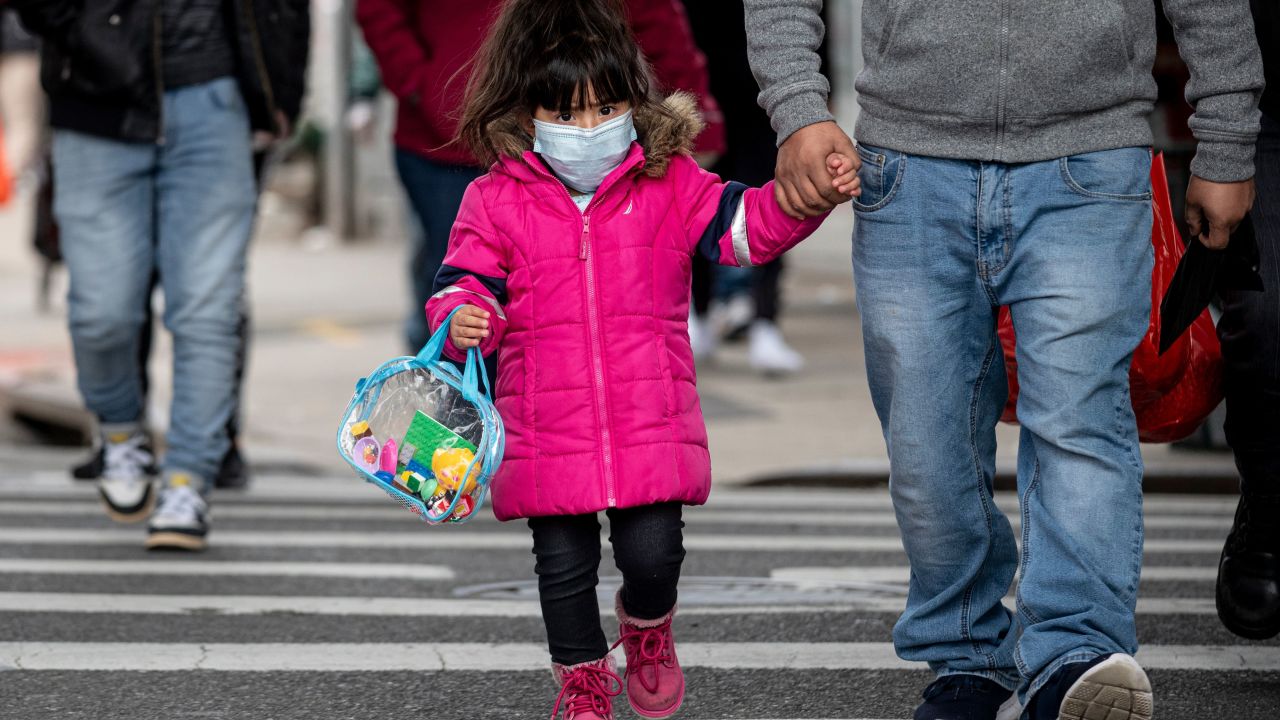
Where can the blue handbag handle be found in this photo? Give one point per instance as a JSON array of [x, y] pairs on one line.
[[434, 349]]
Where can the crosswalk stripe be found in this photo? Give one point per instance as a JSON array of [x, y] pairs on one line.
[[435, 657], [373, 570], [707, 516], [872, 574], [269, 488], [445, 539], [444, 607]]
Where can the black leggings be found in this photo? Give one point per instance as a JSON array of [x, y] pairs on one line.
[[648, 548]]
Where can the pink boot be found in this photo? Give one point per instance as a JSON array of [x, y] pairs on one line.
[[587, 689], [655, 682]]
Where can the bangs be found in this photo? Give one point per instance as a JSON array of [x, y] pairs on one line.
[[561, 82]]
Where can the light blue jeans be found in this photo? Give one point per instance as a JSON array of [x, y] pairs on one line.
[[938, 246], [186, 207]]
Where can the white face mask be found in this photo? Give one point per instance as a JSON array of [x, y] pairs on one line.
[[582, 158]]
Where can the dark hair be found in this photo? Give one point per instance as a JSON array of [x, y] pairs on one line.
[[544, 53]]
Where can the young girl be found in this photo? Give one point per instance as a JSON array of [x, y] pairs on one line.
[[571, 257]]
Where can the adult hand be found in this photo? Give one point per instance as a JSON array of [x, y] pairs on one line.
[[803, 185], [1214, 209], [470, 325]]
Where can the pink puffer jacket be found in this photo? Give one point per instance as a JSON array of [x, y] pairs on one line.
[[589, 310]]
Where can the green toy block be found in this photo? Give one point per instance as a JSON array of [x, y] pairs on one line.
[[427, 435]]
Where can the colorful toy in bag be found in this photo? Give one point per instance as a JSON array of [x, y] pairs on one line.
[[425, 433], [1172, 392]]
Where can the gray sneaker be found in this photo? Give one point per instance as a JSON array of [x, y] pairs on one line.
[[125, 485], [181, 518]]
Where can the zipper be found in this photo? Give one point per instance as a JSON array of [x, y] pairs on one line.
[[156, 44], [260, 63], [593, 325], [1001, 88], [597, 357]]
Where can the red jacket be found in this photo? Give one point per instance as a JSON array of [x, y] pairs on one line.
[[423, 45]]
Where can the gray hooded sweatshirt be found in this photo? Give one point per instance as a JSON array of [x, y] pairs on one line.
[[1018, 80]]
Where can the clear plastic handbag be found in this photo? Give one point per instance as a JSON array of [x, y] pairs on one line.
[[425, 433]]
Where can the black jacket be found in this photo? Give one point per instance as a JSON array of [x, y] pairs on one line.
[[101, 64]]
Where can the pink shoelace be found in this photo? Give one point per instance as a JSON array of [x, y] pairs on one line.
[[647, 648], [588, 688]]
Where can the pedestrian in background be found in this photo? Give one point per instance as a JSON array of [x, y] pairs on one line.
[[153, 105], [1248, 595], [570, 257], [21, 102], [424, 50], [1005, 160], [750, 155]]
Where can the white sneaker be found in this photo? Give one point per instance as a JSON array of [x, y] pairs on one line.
[[702, 338], [1116, 689], [732, 318], [770, 353], [181, 519], [125, 484]]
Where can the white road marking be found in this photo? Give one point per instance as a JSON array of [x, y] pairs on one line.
[[309, 490], [370, 570], [444, 607], [439, 538], [700, 516], [428, 657], [819, 576]]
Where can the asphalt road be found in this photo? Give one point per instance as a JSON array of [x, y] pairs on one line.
[[320, 599]]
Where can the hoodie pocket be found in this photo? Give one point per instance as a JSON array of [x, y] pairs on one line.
[[1083, 57]]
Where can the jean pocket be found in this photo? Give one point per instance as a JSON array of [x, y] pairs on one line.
[[1120, 174], [881, 175], [224, 94]]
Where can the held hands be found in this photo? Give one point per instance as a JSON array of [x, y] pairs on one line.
[[806, 185], [470, 326], [1214, 209]]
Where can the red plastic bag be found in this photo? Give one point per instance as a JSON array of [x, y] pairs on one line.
[[1172, 393]]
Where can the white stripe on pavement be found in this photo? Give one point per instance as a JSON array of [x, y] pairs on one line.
[[820, 576], [426, 539], [419, 657], [371, 570], [445, 607], [298, 489], [701, 516]]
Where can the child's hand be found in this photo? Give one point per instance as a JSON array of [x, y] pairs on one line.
[[844, 174], [470, 325]]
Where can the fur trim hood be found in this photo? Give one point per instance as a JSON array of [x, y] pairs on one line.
[[662, 131]]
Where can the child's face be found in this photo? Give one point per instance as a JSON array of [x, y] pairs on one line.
[[593, 114]]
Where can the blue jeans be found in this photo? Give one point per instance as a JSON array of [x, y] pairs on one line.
[[435, 192], [184, 207], [939, 245]]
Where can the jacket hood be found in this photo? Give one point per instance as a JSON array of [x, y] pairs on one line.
[[662, 131]]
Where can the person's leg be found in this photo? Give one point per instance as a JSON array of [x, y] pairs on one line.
[[104, 205], [1250, 334], [567, 549], [938, 385], [435, 192], [648, 548], [206, 201], [766, 290], [769, 351], [1077, 280], [1248, 588]]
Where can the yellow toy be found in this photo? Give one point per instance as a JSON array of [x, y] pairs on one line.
[[449, 467]]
